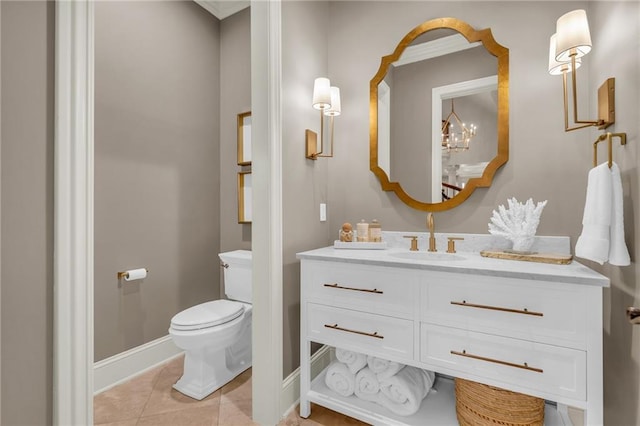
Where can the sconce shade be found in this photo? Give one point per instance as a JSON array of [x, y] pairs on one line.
[[321, 93], [573, 37], [555, 67], [335, 107]]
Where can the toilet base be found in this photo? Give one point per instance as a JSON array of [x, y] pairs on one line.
[[208, 369]]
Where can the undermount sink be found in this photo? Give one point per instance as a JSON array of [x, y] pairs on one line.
[[426, 256]]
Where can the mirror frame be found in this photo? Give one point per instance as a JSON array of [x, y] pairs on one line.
[[472, 35]]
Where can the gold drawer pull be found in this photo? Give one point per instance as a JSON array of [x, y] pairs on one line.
[[335, 285], [524, 366], [524, 311], [335, 327]]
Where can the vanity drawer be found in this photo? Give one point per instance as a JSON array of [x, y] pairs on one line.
[[547, 369], [374, 289], [546, 312], [367, 333]]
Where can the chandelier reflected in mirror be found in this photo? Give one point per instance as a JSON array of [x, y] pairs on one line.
[[456, 135]]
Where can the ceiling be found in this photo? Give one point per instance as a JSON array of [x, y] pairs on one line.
[[223, 8]]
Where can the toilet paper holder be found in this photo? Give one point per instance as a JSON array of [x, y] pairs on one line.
[[125, 274], [633, 315]]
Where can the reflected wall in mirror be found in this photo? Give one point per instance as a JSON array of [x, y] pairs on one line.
[[443, 71]]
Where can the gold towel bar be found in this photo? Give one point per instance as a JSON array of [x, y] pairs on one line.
[[609, 138]]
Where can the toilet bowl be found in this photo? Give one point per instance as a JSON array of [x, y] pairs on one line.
[[216, 335]]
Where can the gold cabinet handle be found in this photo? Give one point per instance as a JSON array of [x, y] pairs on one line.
[[524, 366], [524, 311], [335, 327], [335, 285]]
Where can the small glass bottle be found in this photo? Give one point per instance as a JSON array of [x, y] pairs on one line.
[[363, 231], [375, 231]]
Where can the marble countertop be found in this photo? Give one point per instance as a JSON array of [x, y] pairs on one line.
[[464, 263]]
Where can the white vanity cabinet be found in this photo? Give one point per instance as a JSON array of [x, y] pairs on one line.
[[529, 328]]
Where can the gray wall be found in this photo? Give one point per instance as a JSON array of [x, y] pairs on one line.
[[545, 162], [157, 177], [304, 182], [235, 97], [537, 140], [620, 59], [27, 212]]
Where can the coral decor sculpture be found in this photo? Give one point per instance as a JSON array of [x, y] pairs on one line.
[[518, 223]]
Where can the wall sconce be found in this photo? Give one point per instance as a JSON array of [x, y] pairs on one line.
[[326, 98], [567, 46]]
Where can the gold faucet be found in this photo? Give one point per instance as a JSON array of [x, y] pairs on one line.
[[432, 238]]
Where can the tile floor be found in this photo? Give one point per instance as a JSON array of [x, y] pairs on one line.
[[150, 400]]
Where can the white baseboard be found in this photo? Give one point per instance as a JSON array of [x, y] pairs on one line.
[[291, 385], [126, 365]]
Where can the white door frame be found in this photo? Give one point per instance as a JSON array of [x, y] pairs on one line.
[[73, 213], [266, 236]]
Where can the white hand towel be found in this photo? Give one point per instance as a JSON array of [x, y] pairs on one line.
[[383, 367], [593, 243], [339, 379], [403, 393], [354, 360], [367, 385], [602, 237], [618, 253]]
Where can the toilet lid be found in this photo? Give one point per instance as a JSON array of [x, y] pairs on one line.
[[207, 314]]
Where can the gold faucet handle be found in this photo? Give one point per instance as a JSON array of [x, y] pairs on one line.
[[414, 242], [451, 245]]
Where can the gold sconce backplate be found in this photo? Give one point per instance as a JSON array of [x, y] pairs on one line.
[[311, 139], [606, 103]]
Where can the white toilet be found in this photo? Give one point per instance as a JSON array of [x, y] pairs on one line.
[[216, 336]]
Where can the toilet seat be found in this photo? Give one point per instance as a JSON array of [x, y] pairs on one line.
[[205, 315]]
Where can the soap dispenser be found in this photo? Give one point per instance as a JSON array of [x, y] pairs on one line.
[[375, 231], [363, 231]]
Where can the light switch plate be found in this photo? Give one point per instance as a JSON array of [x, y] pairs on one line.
[[323, 212]]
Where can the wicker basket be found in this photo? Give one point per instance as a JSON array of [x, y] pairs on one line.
[[483, 405]]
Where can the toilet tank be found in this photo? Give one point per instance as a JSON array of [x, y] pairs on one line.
[[237, 275]]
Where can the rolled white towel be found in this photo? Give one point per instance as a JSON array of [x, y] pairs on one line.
[[367, 385], [383, 367], [354, 360], [339, 379], [403, 393]]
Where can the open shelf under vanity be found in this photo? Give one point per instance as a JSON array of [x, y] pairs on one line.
[[438, 408]]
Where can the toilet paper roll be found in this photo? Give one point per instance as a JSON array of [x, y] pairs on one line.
[[135, 274]]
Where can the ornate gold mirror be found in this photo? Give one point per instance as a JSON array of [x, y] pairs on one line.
[[439, 114]]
